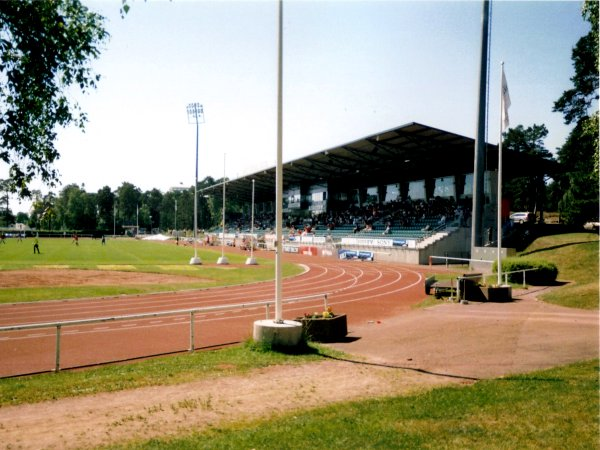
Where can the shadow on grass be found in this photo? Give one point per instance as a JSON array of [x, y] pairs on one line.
[[554, 247], [413, 369]]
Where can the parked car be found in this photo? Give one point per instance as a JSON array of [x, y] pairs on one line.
[[522, 217], [592, 225]]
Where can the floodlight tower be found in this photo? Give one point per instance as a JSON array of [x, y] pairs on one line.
[[195, 114]]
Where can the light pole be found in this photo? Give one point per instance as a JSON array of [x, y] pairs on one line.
[[223, 259], [175, 227], [195, 114], [252, 260]]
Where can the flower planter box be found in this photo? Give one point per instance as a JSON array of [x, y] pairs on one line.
[[330, 329], [497, 293]]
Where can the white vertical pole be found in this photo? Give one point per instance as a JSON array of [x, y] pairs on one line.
[[223, 238], [223, 259], [279, 173], [252, 225], [499, 183]]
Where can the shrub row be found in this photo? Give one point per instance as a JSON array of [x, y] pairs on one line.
[[544, 275]]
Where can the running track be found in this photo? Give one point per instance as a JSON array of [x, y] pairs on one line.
[[365, 291]]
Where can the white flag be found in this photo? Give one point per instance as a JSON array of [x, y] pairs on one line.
[[505, 101]]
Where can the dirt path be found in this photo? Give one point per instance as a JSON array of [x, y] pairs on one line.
[[450, 343], [161, 411]]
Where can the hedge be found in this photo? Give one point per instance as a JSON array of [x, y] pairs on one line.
[[545, 274]]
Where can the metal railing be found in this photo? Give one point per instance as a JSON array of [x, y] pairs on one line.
[[450, 258], [191, 312], [480, 276]]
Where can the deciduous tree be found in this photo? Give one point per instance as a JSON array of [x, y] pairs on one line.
[[45, 51], [527, 193], [579, 105]]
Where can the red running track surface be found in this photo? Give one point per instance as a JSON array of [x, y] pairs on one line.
[[365, 291]]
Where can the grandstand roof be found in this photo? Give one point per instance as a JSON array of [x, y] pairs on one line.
[[409, 152]]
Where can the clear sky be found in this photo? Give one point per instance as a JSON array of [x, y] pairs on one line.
[[350, 69]]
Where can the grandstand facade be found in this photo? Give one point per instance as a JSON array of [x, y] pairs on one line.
[[403, 195]]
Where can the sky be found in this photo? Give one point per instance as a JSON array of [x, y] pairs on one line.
[[350, 69]]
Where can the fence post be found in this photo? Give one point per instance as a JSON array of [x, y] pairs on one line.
[[57, 362], [325, 300], [191, 331], [457, 288], [505, 278], [524, 278], [267, 311]]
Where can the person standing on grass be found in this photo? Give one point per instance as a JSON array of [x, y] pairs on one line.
[[36, 245]]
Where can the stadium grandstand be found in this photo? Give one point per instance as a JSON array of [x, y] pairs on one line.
[[400, 195]]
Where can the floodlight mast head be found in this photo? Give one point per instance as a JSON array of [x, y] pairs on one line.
[[195, 113]]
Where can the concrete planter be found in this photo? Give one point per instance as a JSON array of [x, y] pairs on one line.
[[330, 329], [497, 293]]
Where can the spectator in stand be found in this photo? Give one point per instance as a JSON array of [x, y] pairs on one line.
[[388, 227]]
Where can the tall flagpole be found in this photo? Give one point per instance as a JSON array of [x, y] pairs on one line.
[[504, 104], [278, 332], [279, 174], [499, 183]]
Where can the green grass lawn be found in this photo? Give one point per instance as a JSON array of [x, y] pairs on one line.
[[127, 255], [576, 256], [554, 409]]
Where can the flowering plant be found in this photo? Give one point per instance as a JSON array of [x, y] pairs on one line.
[[327, 314]]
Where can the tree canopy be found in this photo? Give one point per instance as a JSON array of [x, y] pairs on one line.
[[575, 103], [45, 49], [527, 193], [579, 105]]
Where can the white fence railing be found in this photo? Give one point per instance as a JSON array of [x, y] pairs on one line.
[[191, 312]]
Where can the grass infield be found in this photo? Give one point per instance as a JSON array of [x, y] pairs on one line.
[[127, 255]]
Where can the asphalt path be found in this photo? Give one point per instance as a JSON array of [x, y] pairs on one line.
[[368, 292]]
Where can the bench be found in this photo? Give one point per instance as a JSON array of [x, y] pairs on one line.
[[443, 288]]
